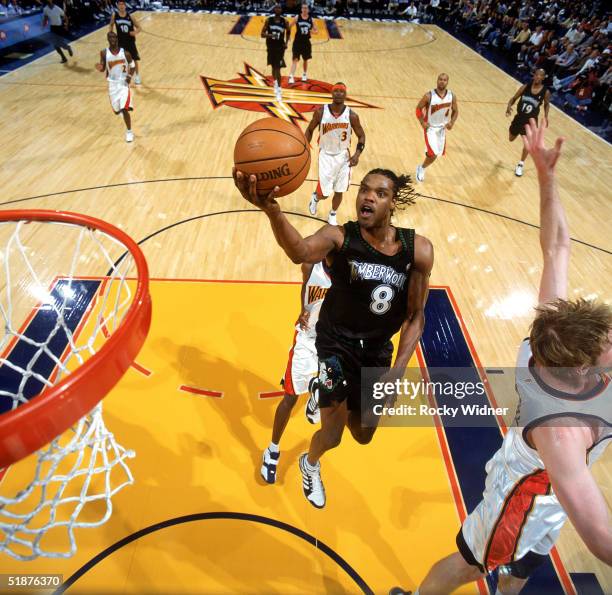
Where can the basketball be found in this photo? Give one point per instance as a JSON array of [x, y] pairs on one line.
[[276, 152]]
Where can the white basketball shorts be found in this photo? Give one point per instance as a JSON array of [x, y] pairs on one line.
[[120, 96], [334, 173], [518, 514], [435, 141], [303, 363]]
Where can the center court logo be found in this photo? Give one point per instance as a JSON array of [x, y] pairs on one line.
[[254, 92]]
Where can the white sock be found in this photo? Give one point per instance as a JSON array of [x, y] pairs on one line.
[[521, 163], [129, 130], [309, 466], [332, 212], [273, 447]]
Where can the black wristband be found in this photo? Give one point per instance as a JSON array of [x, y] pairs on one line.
[[360, 147]]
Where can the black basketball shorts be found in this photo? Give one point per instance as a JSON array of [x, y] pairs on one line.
[[302, 49], [517, 126], [340, 362], [129, 45], [276, 56]]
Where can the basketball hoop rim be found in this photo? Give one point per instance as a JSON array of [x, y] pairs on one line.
[[32, 425]]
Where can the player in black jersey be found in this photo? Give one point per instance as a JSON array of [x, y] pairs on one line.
[[127, 29], [530, 96], [302, 48], [380, 279], [276, 32]]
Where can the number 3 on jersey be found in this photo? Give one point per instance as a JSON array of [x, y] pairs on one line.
[[381, 299]]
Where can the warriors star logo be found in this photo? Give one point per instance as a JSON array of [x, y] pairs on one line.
[[253, 91]]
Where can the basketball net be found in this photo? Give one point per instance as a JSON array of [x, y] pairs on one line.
[[76, 475]]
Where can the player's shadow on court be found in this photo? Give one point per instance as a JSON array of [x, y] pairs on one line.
[[235, 410], [168, 486], [74, 67], [164, 97], [358, 514]]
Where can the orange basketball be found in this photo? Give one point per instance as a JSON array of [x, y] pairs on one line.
[[275, 151]]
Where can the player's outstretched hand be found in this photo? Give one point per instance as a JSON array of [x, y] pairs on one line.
[[543, 158], [100, 67], [248, 188]]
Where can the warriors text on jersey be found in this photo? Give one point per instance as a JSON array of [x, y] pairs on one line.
[[335, 131], [519, 512], [529, 103], [439, 109], [369, 293], [317, 285]]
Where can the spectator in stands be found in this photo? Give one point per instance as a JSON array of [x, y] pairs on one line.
[[576, 34], [565, 61], [537, 37], [581, 94]]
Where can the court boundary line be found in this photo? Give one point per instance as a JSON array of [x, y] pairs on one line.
[[204, 215], [204, 516]]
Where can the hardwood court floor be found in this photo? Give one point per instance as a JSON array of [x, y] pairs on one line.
[[63, 149]]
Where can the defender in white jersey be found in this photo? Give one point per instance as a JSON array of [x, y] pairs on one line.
[[437, 112], [336, 123], [541, 474], [119, 67], [303, 364]]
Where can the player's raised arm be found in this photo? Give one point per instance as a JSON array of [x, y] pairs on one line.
[[554, 233], [421, 109], [360, 132], [514, 98], [314, 123], [418, 290], [312, 249], [564, 453], [111, 25]]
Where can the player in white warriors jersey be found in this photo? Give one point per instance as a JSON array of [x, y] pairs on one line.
[[541, 474], [336, 123], [119, 67], [303, 364], [437, 112]]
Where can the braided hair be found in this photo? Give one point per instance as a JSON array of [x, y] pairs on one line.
[[403, 191]]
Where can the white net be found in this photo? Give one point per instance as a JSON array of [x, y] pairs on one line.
[[64, 289]]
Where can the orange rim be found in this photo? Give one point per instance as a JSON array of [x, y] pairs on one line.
[[32, 425]]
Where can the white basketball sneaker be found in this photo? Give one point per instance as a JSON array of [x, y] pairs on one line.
[[304, 77], [269, 464], [129, 136], [311, 482], [331, 218], [420, 173], [518, 170], [312, 205], [291, 79]]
